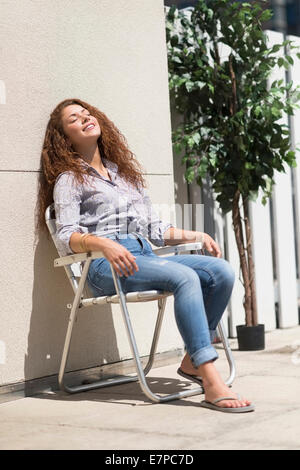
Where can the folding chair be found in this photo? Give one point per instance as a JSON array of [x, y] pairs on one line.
[[76, 267]]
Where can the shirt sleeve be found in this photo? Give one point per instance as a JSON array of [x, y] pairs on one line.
[[67, 200], [155, 227]]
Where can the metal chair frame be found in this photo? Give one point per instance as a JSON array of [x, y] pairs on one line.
[[76, 267]]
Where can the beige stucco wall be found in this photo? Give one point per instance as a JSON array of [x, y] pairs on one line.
[[113, 55]]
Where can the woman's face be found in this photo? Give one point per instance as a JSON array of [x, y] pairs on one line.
[[78, 124]]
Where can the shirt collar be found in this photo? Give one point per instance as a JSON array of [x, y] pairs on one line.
[[111, 167]]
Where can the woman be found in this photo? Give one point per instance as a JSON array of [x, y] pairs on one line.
[[101, 204]]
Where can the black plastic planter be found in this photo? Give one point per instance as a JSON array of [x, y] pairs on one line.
[[251, 338]]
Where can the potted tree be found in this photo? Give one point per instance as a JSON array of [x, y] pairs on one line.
[[231, 129]]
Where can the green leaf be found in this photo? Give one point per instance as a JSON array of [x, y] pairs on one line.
[[289, 59], [174, 40], [249, 166], [210, 14], [190, 142], [253, 195], [275, 48], [275, 112], [190, 174], [257, 110], [171, 13], [266, 15], [196, 138], [189, 85], [177, 59], [177, 147]]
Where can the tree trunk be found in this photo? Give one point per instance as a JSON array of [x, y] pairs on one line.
[[238, 231], [247, 270], [251, 268]]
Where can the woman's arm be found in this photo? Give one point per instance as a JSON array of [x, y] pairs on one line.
[[122, 260], [175, 236], [161, 233]]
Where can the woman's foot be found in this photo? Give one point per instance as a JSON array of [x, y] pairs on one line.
[[217, 390], [213, 385]]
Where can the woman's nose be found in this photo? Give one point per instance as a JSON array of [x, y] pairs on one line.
[[85, 119]]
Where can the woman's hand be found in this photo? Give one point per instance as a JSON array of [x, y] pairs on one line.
[[119, 257], [175, 236], [209, 244]]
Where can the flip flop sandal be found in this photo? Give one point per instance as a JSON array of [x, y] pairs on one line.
[[193, 378], [213, 406]]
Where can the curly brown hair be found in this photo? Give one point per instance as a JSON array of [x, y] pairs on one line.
[[58, 156]]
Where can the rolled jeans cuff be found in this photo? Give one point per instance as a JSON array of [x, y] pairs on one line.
[[206, 354]]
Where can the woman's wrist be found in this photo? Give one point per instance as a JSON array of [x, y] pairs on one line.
[[84, 242], [174, 236], [199, 237]]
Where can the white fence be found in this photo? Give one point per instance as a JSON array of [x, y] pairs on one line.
[[276, 239]]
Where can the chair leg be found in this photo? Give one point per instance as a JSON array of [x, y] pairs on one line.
[[228, 352], [160, 314], [72, 319]]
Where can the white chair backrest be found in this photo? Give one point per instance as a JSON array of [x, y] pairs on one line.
[[74, 270]]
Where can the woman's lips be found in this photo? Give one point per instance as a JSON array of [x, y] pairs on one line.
[[89, 127]]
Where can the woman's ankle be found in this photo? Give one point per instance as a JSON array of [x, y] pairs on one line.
[[187, 365], [209, 374]]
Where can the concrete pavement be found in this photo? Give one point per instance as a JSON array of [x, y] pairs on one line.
[[121, 418]]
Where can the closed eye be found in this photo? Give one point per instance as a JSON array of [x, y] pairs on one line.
[[82, 111]]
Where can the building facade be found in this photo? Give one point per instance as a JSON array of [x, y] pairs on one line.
[[112, 55]]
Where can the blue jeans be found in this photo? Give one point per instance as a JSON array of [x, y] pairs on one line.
[[201, 286]]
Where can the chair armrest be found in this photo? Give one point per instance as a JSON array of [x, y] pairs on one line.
[[77, 258], [165, 250], [80, 257]]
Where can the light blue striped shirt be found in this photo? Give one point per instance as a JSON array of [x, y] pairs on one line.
[[104, 208]]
